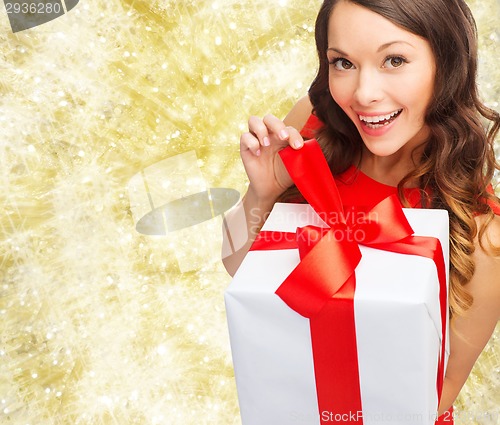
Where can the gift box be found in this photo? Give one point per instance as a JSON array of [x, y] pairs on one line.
[[374, 356]]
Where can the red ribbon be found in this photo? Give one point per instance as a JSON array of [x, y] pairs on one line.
[[323, 290]]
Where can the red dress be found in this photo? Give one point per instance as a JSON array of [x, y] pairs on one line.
[[359, 190]]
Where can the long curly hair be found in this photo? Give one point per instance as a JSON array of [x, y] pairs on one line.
[[458, 161]]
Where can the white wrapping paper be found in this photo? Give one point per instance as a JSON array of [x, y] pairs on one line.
[[398, 330]]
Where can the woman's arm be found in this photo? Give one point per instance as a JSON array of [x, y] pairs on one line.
[[259, 149], [299, 114], [470, 333]]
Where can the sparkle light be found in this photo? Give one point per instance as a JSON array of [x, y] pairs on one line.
[[98, 323]]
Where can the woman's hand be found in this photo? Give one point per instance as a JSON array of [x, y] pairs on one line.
[[259, 149]]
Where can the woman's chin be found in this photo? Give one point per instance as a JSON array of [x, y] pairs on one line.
[[379, 151]]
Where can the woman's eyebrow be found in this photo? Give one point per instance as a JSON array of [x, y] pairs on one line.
[[390, 43], [340, 52], [382, 47]]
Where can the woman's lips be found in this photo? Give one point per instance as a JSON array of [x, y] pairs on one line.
[[377, 125]]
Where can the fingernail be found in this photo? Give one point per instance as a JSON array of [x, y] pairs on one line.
[[284, 134], [258, 152], [298, 144], [266, 141]]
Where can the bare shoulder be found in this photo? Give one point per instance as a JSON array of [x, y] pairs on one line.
[[298, 115]]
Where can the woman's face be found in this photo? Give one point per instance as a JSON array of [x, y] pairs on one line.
[[382, 76]]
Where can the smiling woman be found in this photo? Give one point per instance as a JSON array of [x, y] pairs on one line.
[[395, 108]]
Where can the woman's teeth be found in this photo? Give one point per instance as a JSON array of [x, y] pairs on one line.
[[380, 120]]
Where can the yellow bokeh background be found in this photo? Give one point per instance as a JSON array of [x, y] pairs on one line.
[[100, 324]]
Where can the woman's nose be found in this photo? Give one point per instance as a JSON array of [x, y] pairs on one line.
[[369, 87]]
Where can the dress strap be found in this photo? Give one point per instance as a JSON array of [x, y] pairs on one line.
[[312, 124]]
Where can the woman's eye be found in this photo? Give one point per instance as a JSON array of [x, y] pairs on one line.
[[341, 64], [394, 62]]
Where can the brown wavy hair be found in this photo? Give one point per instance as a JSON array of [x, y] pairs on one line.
[[458, 161]]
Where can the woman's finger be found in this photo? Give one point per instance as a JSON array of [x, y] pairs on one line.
[[257, 127], [285, 133], [249, 142], [295, 140], [276, 126]]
